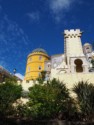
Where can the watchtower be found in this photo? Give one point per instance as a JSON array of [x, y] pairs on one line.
[[73, 50]]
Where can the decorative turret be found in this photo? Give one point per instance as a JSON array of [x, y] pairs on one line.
[[72, 33], [87, 48]]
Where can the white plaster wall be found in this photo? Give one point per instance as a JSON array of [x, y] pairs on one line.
[[71, 79], [26, 85], [73, 46], [53, 73]]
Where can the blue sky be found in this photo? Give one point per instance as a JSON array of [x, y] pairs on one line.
[[29, 24]]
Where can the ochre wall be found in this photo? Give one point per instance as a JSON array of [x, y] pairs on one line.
[[33, 63]]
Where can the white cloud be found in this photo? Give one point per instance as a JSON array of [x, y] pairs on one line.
[[34, 16], [59, 7], [14, 44]]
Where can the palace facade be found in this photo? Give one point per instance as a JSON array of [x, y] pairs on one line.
[[72, 65]]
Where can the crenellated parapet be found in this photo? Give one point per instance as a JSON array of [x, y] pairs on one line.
[[72, 33]]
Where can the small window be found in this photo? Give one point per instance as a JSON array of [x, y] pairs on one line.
[[87, 48], [40, 68], [39, 74], [48, 65], [30, 59], [40, 57], [28, 68]]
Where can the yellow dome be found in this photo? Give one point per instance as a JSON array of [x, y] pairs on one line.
[[39, 50]]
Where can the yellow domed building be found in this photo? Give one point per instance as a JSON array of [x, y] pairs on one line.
[[35, 63]]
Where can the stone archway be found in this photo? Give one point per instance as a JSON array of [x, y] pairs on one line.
[[78, 63]]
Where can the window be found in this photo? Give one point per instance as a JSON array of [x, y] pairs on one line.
[[48, 65], [40, 68], [30, 59], [40, 57], [87, 48], [39, 74], [28, 68]]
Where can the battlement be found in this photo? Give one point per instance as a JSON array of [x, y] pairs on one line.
[[72, 33]]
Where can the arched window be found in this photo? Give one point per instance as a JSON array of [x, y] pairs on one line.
[[87, 48], [40, 57], [48, 65], [28, 68], [39, 74], [78, 63], [39, 67], [30, 59]]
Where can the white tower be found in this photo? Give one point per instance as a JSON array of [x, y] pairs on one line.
[[87, 48], [75, 57]]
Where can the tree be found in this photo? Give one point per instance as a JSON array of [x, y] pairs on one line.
[[48, 101], [41, 77], [85, 97], [43, 74], [92, 61], [9, 93]]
